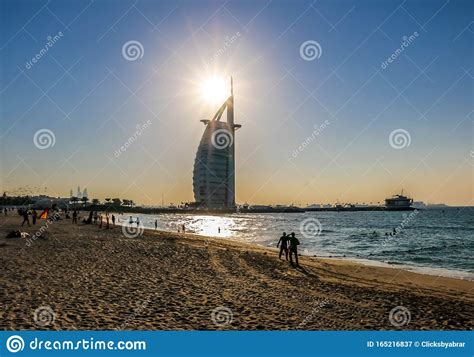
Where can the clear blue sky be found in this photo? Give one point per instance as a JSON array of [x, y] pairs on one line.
[[92, 98]]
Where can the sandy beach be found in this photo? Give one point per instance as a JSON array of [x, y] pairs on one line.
[[91, 278]]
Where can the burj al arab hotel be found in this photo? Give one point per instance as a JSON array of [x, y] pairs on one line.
[[214, 166]]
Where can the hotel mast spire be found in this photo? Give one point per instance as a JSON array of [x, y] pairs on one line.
[[230, 107]]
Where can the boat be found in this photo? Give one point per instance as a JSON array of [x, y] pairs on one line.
[[399, 203]]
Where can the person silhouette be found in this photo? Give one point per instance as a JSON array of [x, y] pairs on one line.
[[284, 245], [26, 218], [156, 224], [113, 220], [294, 243], [34, 216]]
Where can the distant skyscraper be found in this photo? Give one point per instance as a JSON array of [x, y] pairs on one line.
[[79, 193], [84, 193], [214, 166], [70, 193]]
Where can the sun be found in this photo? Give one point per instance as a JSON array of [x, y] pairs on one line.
[[214, 90]]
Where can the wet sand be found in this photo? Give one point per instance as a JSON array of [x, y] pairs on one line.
[[86, 278]]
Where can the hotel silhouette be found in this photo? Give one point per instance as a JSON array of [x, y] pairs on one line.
[[214, 166]]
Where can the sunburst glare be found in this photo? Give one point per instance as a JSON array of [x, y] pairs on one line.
[[214, 90]]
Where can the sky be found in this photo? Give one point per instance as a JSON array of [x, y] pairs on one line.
[[339, 101]]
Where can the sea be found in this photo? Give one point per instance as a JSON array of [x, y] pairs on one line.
[[432, 241]]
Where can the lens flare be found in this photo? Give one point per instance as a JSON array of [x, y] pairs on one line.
[[214, 90]]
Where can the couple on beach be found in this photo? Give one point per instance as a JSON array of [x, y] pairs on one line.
[[289, 244]]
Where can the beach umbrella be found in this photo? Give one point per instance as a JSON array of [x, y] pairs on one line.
[[44, 214]]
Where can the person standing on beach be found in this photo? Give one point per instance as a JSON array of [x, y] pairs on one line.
[[100, 221], [130, 221], [284, 245], [138, 222], [294, 243], [156, 224], [113, 220], [34, 215], [107, 221], [5, 211], [74, 216], [183, 228], [26, 218]]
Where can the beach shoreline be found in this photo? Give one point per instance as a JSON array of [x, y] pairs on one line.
[[102, 279], [429, 248], [431, 271]]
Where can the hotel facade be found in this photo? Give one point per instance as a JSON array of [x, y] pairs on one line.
[[214, 166]]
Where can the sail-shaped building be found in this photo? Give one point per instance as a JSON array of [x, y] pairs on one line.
[[214, 166]]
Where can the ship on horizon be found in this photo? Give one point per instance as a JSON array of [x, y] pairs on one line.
[[399, 203]]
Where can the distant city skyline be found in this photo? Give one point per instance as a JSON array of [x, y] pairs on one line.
[[341, 101]]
